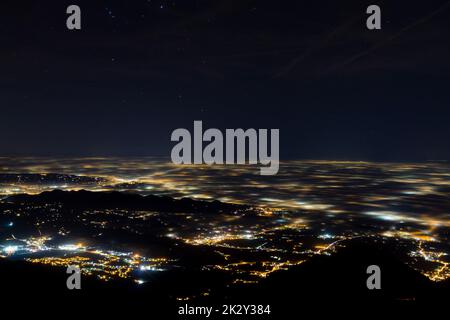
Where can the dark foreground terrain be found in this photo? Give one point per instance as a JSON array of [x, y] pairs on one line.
[[331, 285], [325, 284]]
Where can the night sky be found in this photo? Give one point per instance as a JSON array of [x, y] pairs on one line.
[[140, 69]]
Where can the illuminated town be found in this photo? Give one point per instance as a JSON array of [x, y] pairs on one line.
[[311, 208], [106, 265]]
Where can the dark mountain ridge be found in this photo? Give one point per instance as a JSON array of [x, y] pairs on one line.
[[118, 200]]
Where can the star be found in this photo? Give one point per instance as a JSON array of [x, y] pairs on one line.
[[110, 13]]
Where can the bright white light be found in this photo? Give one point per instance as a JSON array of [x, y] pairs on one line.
[[171, 235], [150, 268], [69, 247], [391, 216], [10, 249]]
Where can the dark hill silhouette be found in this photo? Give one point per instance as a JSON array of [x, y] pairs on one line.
[[115, 199], [336, 284], [47, 178]]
